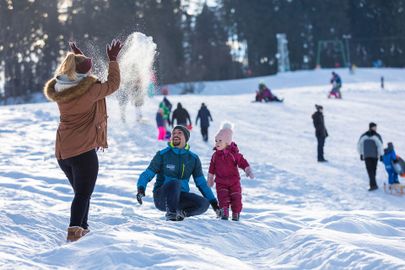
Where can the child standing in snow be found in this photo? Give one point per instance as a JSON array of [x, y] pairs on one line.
[[389, 159], [224, 167], [160, 122]]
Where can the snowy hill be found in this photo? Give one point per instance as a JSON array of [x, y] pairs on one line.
[[297, 214]]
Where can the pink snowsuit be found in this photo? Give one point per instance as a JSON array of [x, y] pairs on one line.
[[224, 165]]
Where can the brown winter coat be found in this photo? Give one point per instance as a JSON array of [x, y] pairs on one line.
[[83, 113]]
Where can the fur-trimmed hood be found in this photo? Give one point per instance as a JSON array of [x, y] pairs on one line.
[[70, 93]]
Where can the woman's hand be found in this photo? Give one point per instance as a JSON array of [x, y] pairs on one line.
[[74, 48], [114, 49]]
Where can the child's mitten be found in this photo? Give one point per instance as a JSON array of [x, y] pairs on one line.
[[249, 172]]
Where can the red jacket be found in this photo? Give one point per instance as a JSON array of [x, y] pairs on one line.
[[224, 165]]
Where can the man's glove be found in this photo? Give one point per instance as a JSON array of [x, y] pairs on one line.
[[74, 48], [210, 180], [249, 172], [113, 49], [140, 194], [361, 157], [214, 205]]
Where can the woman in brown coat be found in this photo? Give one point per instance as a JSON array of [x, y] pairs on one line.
[[83, 126]]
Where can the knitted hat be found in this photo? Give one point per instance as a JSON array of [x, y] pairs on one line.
[[225, 133], [371, 125], [84, 66], [185, 131], [390, 146]]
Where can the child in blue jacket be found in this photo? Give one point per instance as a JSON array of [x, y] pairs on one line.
[[389, 159]]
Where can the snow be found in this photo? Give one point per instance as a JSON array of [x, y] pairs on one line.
[[297, 214]]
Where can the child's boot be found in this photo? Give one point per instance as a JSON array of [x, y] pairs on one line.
[[224, 213], [235, 216]]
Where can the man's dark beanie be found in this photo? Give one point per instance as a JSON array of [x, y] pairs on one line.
[[371, 125], [184, 130]]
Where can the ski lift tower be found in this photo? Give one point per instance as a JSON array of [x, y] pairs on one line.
[[282, 53]]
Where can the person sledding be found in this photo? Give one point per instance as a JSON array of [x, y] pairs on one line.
[[392, 167], [336, 82], [224, 172], [265, 94], [174, 166]]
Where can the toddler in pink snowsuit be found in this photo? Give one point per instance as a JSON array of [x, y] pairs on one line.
[[224, 167]]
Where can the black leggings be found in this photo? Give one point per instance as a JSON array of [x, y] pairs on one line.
[[82, 173]]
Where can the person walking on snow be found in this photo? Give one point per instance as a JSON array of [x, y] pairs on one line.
[[205, 117], [83, 126], [181, 116], [224, 172], [370, 148], [320, 131], [389, 160], [174, 166]]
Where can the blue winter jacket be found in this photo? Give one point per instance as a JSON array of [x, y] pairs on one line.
[[205, 116], [388, 159], [174, 164], [160, 122]]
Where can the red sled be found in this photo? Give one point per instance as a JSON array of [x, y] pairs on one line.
[[335, 94], [399, 166]]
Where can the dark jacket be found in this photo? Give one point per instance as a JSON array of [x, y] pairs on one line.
[[336, 79], [205, 117], [174, 164], [160, 122], [167, 103], [319, 124], [370, 145], [181, 115], [83, 113]]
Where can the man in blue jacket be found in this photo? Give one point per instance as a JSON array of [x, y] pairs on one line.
[[174, 166]]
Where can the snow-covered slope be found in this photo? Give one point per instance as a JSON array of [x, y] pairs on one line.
[[297, 214]]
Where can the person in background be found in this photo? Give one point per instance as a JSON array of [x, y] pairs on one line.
[[336, 82], [370, 148], [320, 131], [160, 122], [265, 94], [205, 117], [389, 160], [181, 115]]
